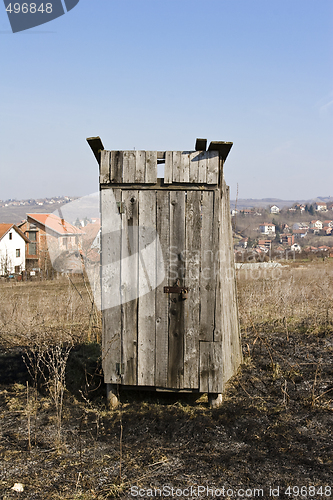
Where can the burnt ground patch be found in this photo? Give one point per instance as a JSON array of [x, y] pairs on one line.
[[273, 429]]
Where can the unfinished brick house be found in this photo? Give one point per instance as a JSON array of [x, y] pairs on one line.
[[39, 228]]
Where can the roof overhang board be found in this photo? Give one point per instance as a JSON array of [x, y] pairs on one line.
[[96, 145], [222, 147]]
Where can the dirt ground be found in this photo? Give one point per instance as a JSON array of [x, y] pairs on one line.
[[273, 430]]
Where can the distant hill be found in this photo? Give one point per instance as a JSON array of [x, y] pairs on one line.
[[15, 214], [266, 202]]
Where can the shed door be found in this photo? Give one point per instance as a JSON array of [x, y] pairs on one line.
[[160, 333]]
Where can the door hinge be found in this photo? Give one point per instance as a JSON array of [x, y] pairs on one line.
[[121, 207]]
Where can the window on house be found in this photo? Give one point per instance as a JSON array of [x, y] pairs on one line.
[[32, 235], [65, 242], [17, 269], [32, 249], [18, 252], [10, 236]]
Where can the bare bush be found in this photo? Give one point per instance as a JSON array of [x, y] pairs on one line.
[[291, 295]]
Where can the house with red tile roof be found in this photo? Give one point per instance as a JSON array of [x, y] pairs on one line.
[[47, 232], [12, 249]]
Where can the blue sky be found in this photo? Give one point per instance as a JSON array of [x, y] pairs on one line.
[[156, 74]]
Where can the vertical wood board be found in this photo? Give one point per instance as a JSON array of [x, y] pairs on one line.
[[168, 167], [146, 307], [191, 259], [129, 285], [162, 300], [151, 167], [116, 167], [213, 164], [176, 306], [209, 256], [211, 367], [104, 177], [129, 167], [140, 167], [110, 285]]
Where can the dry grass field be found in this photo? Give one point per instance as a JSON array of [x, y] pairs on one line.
[[273, 429]]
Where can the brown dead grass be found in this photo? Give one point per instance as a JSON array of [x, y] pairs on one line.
[[273, 429], [60, 308]]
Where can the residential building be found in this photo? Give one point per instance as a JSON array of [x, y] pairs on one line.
[[275, 210], [267, 228], [316, 225], [265, 244], [48, 232], [321, 207], [295, 247], [300, 233], [243, 242], [300, 225], [12, 249], [287, 239]]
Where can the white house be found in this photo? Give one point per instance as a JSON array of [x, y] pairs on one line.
[[316, 224], [267, 228], [295, 247], [12, 249], [275, 210], [321, 207]]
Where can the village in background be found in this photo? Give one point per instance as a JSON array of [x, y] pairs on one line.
[[280, 231], [264, 232]]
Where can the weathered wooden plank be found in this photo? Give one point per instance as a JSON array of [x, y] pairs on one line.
[[212, 167], [176, 160], [151, 167], [194, 167], [209, 255], [176, 305], [96, 145], [162, 299], [185, 166], [222, 147], [202, 174], [129, 162], [129, 286], [147, 275], [200, 144], [192, 303], [104, 174], [211, 367], [110, 285], [218, 265], [230, 326], [140, 167], [116, 161], [168, 167]]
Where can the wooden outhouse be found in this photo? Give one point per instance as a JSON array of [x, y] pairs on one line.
[[170, 319]]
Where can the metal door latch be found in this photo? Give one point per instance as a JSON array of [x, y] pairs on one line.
[[181, 290]]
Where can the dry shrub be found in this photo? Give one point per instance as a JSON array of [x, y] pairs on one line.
[[47, 309], [287, 297]]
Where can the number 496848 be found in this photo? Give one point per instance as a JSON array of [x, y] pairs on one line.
[[29, 8]]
